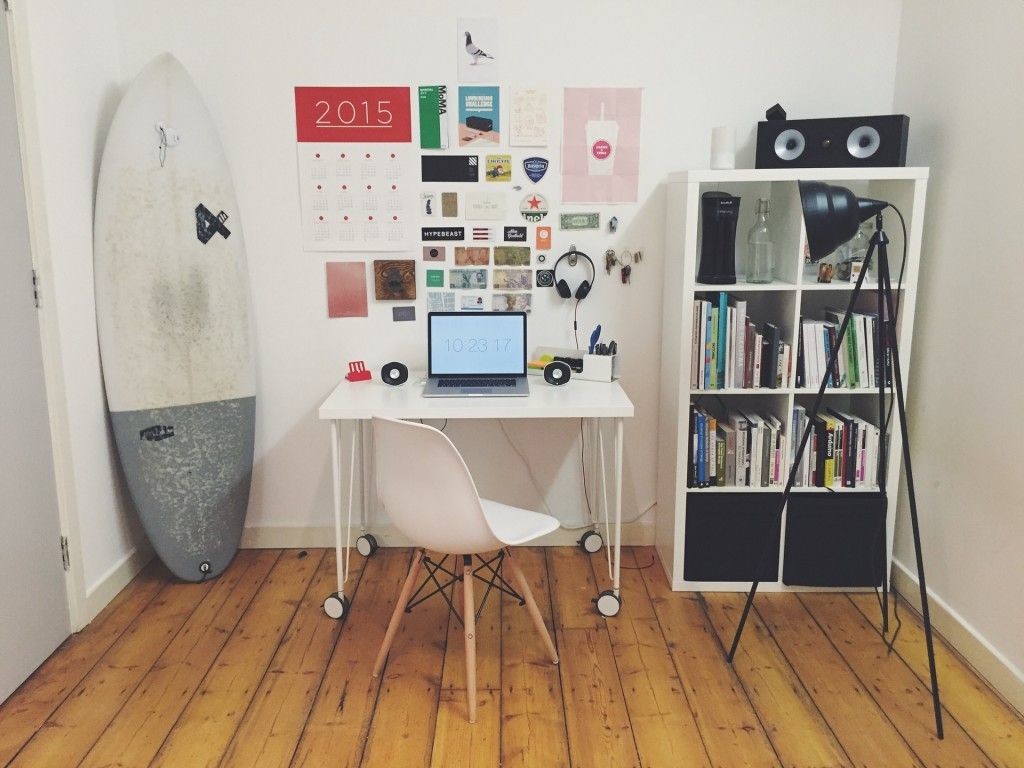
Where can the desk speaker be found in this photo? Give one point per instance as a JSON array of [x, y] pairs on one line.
[[833, 142], [557, 373], [394, 374]]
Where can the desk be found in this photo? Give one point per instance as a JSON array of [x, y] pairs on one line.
[[596, 402]]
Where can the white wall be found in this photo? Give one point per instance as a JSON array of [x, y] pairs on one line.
[[69, 63], [701, 64], [965, 395]]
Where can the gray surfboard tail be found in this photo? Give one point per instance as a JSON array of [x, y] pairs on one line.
[[188, 469]]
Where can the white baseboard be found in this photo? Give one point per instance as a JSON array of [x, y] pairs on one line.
[[99, 595], [291, 537], [985, 658]]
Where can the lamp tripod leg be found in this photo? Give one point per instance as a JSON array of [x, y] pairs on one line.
[[883, 276], [833, 361]]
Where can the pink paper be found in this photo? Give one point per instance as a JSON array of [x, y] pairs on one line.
[[346, 289], [600, 145]]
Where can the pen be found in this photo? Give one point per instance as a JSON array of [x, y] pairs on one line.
[[593, 338]]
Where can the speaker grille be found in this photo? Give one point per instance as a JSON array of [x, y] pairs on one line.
[[863, 142], [789, 144]]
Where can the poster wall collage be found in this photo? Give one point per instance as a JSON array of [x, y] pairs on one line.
[[475, 208]]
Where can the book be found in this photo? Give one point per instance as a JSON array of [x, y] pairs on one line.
[[720, 463], [728, 434], [713, 373], [740, 425], [695, 346], [707, 343], [770, 357], [800, 355], [739, 347], [722, 344], [758, 356]]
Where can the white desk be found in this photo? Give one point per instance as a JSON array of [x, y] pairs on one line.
[[359, 401]]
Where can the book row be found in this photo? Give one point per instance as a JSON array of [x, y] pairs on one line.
[[857, 365], [751, 450], [738, 449], [729, 350], [842, 450]]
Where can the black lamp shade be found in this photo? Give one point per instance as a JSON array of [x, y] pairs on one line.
[[832, 215]]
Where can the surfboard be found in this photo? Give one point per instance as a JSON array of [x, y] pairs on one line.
[[173, 316]]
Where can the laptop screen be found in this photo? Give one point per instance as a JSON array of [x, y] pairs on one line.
[[474, 343]]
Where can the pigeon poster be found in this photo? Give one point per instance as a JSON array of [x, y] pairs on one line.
[[479, 115], [600, 145], [477, 48]]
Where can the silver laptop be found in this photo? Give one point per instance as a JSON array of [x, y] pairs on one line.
[[476, 354]]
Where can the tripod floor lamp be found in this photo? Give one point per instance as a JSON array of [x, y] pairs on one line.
[[832, 216]]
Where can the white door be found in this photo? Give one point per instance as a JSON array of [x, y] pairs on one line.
[[33, 597]]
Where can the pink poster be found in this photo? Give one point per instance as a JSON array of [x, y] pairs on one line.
[[346, 289], [600, 145]]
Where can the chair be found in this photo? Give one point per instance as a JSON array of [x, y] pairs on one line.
[[431, 498]]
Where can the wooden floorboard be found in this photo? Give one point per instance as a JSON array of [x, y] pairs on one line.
[[209, 720], [729, 726], [797, 730], [831, 684], [893, 685], [25, 711], [993, 724], [532, 710], [248, 671], [597, 722], [664, 729], [138, 730]]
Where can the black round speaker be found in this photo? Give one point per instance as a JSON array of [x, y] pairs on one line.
[[557, 372], [394, 374]]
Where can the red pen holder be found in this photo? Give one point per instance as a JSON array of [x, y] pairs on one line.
[[357, 371]]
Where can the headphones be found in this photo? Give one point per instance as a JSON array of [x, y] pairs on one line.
[[584, 288]]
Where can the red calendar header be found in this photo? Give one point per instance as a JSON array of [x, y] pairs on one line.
[[353, 114]]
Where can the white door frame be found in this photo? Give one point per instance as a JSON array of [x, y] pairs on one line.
[[53, 366]]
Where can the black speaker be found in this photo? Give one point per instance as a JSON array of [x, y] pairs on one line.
[[879, 141], [557, 373], [394, 374], [476, 123]]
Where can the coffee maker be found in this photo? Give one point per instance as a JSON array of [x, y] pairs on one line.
[[719, 213]]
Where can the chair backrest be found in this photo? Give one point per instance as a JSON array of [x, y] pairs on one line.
[[427, 490]]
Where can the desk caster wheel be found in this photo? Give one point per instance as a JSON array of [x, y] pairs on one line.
[[608, 604], [591, 542], [366, 544], [336, 606]]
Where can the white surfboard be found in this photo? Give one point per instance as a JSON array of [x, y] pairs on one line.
[[173, 313]]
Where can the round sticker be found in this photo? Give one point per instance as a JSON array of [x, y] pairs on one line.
[[601, 149], [534, 207]]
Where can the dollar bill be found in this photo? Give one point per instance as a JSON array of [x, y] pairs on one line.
[[579, 220]]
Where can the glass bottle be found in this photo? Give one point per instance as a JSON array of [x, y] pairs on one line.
[[760, 256], [859, 245]]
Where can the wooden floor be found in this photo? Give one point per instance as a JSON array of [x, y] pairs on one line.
[[247, 670]]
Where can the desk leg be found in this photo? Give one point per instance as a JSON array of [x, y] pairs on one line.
[[610, 601], [337, 605], [590, 541], [366, 544]]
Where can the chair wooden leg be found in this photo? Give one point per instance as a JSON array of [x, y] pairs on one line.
[[469, 622], [396, 617], [531, 604]]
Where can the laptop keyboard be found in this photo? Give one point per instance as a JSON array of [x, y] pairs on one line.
[[476, 382]]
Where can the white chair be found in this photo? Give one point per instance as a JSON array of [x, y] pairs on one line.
[[431, 498]]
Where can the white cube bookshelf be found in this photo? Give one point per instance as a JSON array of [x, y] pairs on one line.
[[794, 293]]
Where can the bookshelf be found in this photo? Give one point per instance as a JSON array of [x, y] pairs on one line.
[[710, 539]]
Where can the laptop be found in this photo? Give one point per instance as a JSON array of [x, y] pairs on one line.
[[476, 354]]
